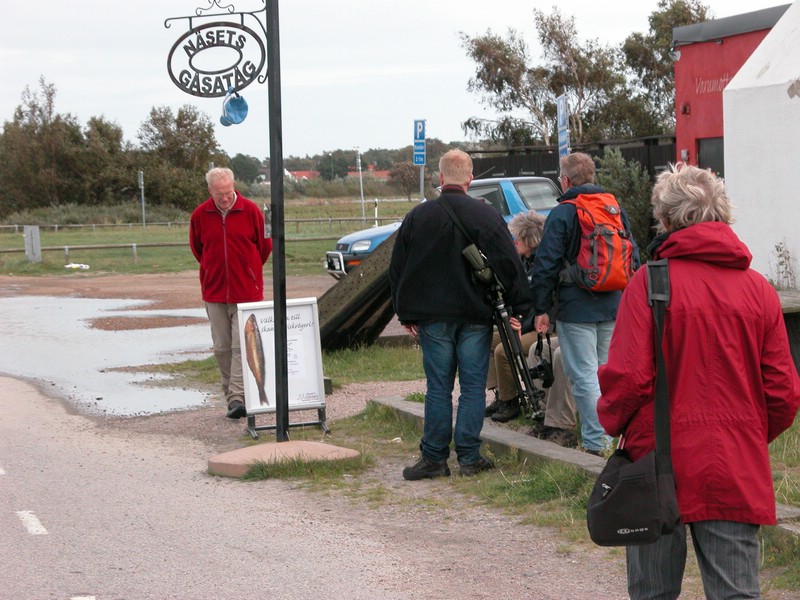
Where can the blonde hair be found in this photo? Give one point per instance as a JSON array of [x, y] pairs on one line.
[[686, 195], [528, 228], [578, 167], [455, 167], [218, 173]]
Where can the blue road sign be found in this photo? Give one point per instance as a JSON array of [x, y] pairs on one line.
[[419, 142], [419, 130]]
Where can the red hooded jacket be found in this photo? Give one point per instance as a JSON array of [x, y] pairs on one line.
[[733, 385], [231, 251]]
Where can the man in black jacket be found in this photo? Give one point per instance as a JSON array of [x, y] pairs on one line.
[[438, 301]]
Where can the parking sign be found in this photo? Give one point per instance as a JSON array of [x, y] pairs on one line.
[[419, 142]]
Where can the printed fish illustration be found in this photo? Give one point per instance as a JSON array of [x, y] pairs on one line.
[[255, 356]]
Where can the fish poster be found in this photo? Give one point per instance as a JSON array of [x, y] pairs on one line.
[[303, 355]]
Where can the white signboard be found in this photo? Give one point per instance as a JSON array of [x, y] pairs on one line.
[[304, 355]]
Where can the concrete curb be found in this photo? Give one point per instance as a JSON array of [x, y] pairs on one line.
[[505, 442]]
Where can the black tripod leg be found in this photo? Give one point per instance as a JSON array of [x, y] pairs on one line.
[[517, 361]]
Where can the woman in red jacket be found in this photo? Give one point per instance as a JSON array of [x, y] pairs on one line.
[[733, 389]]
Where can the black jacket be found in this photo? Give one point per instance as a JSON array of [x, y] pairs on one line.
[[432, 282]]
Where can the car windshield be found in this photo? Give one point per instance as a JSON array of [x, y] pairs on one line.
[[491, 194], [537, 195]]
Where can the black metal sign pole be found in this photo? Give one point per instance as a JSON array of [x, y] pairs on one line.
[[278, 238]]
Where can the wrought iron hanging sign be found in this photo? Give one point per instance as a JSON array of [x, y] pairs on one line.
[[216, 58]]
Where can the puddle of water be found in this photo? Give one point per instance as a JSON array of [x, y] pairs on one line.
[[49, 339]]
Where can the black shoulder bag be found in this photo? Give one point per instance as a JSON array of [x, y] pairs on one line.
[[635, 503]]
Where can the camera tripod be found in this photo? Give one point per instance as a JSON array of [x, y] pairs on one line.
[[529, 396]]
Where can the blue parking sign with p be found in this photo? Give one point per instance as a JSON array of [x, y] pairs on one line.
[[419, 142], [419, 130]]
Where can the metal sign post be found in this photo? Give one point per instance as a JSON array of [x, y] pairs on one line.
[[248, 44], [419, 154], [562, 117], [141, 188], [361, 185]]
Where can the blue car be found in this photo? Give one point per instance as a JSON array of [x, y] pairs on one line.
[[509, 195]]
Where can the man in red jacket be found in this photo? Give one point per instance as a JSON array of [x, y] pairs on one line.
[[226, 234], [733, 389]]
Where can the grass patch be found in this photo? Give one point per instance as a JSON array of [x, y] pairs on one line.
[[303, 219], [303, 257], [376, 363], [315, 471], [785, 459], [543, 493], [780, 560], [416, 397], [377, 432], [203, 371]]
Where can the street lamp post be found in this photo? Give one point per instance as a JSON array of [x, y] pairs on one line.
[[361, 184]]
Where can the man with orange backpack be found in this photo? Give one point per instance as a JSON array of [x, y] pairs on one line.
[[586, 257]]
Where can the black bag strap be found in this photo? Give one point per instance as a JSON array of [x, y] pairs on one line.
[[540, 347], [449, 210], [658, 293]]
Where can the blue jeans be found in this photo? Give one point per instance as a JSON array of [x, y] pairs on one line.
[[447, 348], [727, 554], [584, 347]]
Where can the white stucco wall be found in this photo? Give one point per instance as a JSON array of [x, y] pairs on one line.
[[761, 110]]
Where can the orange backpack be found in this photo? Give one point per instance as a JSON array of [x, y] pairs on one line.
[[605, 255]]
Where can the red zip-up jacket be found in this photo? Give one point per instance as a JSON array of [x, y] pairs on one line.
[[733, 385], [231, 251]]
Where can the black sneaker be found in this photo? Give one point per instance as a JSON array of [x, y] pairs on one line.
[[509, 410], [562, 437], [236, 409], [426, 469], [538, 428], [599, 453], [483, 464], [492, 408]]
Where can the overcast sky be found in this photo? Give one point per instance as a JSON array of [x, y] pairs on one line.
[[354, 73]]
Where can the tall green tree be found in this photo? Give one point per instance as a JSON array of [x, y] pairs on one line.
[[184, 139], [587, 72], [631, 185], [648, 56], [506, 82], [40, 154], [405, 177], [112, 176], [176, 149], [336, 164], [245, 168], [612, 92]]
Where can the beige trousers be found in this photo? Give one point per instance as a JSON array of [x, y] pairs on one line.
[[499, 376], [224, 320], [560, 411]]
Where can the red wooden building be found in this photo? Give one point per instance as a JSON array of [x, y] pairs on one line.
[[707, 55]]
